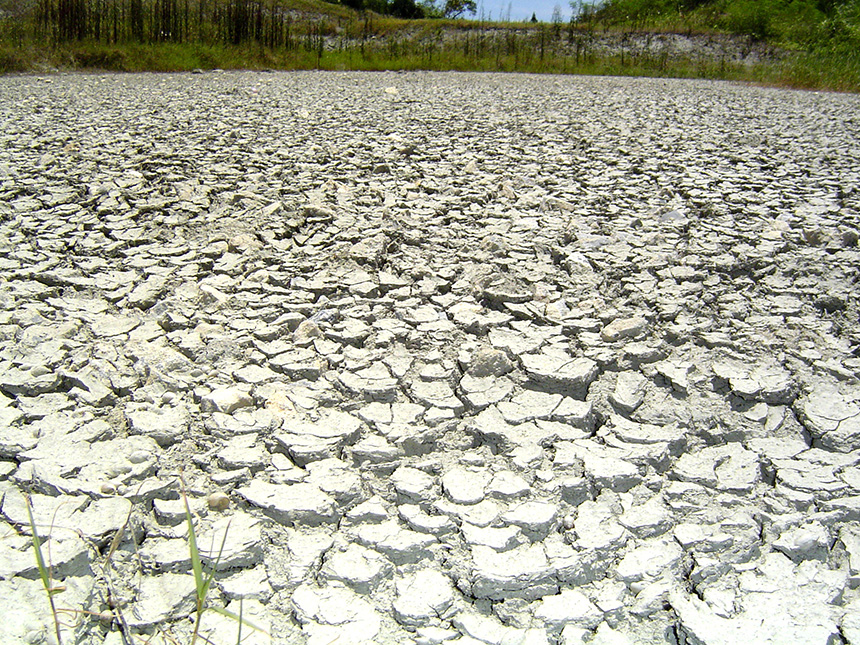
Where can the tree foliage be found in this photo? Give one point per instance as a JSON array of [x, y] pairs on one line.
[[459, 8]]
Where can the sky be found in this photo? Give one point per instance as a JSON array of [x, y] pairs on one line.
[[522, 9]]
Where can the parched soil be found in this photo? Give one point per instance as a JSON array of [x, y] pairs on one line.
[[441, 358]]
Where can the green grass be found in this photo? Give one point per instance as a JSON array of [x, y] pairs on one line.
[[45, 574], [824, 50], [820, 69], [203, 578]]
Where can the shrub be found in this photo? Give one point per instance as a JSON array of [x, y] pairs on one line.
[[750, 17]]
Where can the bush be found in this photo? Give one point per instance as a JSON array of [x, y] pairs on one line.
[[11, 61], [405, 9], [799, 22], [98, 58], [751, 18]]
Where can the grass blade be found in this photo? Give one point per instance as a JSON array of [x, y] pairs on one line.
[[44, 572], [238, 618], [196, 564], [37, 547]]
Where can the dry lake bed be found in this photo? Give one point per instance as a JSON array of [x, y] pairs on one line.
[[441, 358]]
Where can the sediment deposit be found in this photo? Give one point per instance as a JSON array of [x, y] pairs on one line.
[[441, 358]]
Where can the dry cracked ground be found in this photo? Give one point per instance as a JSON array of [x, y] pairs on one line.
[[442, 358]]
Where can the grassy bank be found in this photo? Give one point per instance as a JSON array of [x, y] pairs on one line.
[[820, 70], [820, 50]]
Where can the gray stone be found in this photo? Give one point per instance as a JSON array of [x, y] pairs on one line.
[[233, 541], [102, 518], [247, 584], [166, 424], [650, 519], [499, 539], [243, 452], [629, 391], [850, 626], [480, 392], [436, 394], [305, 548], [506, 484], [702, 537], [331, 613], [570, 607], [649, 561], [414, 484], [334, 477], [400, 545], [146, 293], [371, 510], [832, 419], [677, 373], [783, 604], [49, 513], [306, 332], [36, 380], [226, 400], [169, 555], [624, 328], [651, 373], [292, 504], [375, 449], [488, 361], [535, 518], [24, 625], [66, 555], [529, 405], [571, 376], [465, 486], [423, 597], [373, 383], [729, 468], [308, 441], [160, 599], [607, 470], [849, 535], [483, 513], [358, 567], [422, 522], [806, 542], [108, 325], [523, 572], [216, 627]]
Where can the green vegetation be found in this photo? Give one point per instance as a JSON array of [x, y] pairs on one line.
[[822, 36], [45, 575], [203, 579], [820, 39]]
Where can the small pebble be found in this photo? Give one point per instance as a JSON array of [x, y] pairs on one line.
[[139, 456], [218, 501]]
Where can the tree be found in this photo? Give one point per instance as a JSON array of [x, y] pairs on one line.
[[430, 9], [456, 8], [556, 21], [534, 17], [405, 9]]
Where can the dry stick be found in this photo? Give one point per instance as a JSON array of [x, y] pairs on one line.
[[114, 606]]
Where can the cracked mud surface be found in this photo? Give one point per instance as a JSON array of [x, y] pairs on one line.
[[446, 357]]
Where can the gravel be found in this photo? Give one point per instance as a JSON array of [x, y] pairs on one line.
[[460, 358]]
